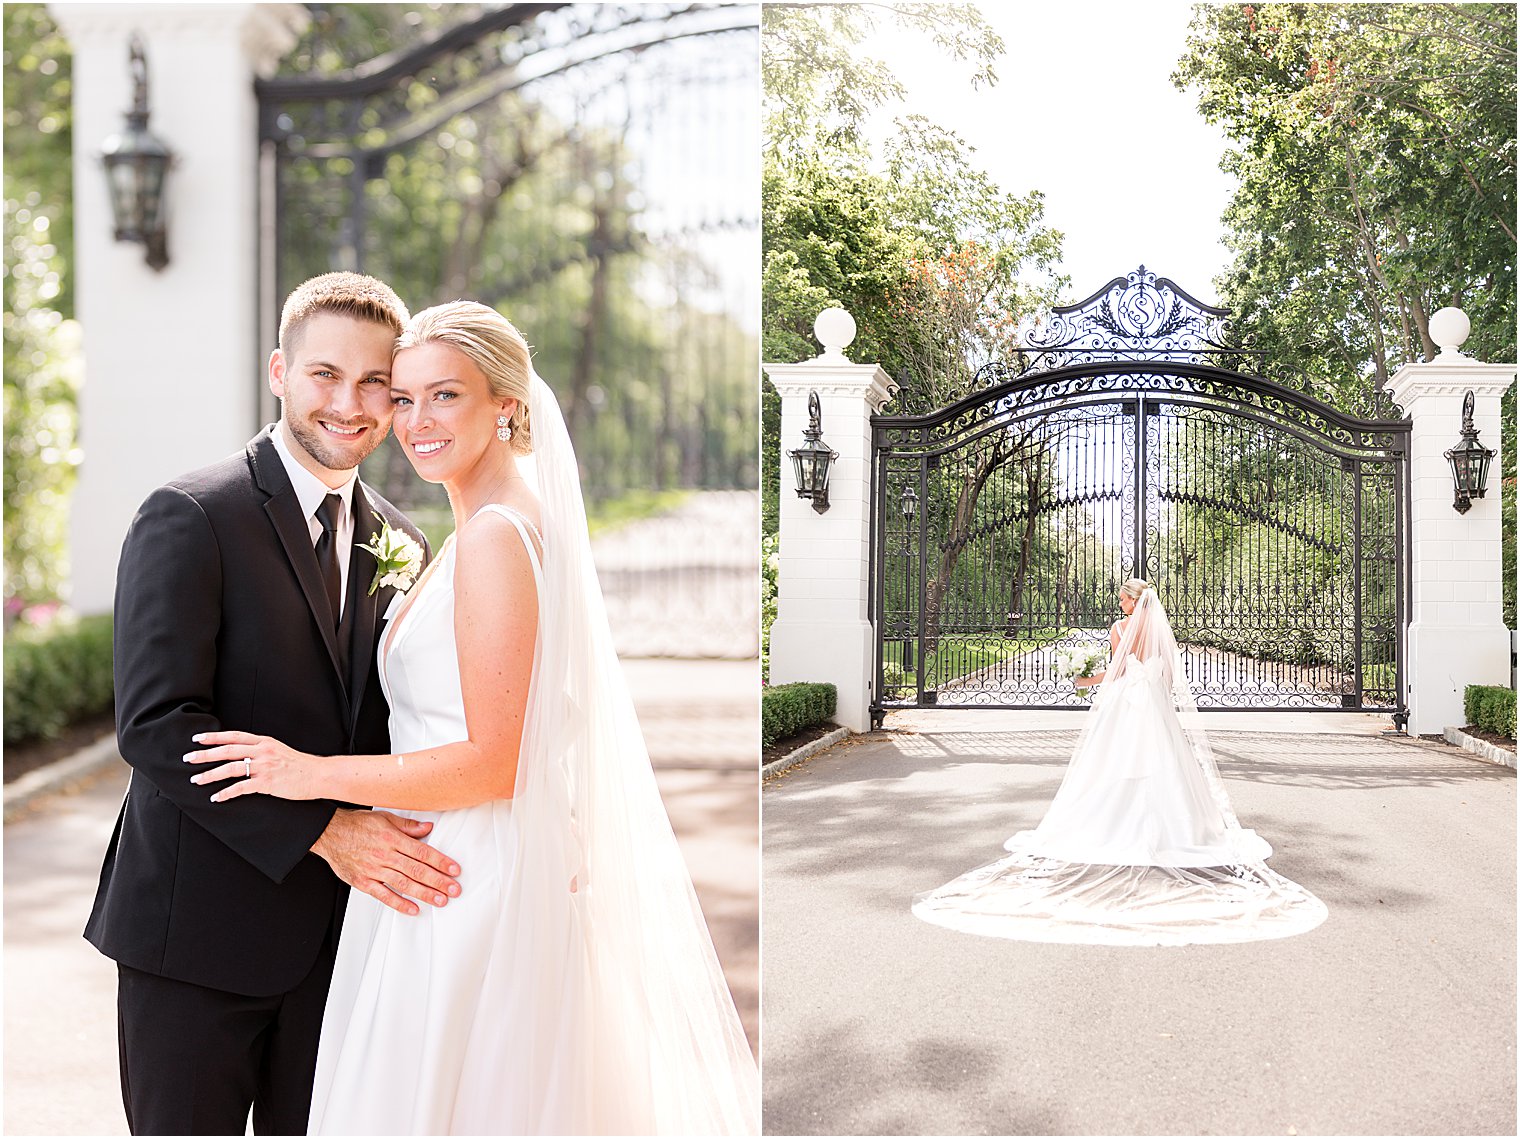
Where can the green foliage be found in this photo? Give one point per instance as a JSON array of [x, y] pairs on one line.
[[789, 708], [1375, 147], [932, 259], [56, 676], [770, 574], [819, 87], [1491, 708], [1265, 538], [1507, 504], [41, 341], [869, 232], [543, 208], [955, 659]]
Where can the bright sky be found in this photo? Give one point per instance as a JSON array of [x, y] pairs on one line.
[[1085, 112]]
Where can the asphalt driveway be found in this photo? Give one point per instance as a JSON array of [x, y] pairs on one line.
[[1395, 1016]]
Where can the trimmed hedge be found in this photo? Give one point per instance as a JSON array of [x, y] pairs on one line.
[[787, 709], [56, 676], [1490, 707]]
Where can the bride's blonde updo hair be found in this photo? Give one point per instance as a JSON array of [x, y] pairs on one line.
[[491, 343], [1134, 587]]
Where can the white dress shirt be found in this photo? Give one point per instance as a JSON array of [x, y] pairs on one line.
[[310, 491]]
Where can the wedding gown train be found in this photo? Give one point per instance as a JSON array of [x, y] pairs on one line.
[[1140, 845]]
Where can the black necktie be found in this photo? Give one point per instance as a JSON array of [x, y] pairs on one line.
[[327, 552]]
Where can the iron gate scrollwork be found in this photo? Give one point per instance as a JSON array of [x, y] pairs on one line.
[[574, 166], [1131, 439]]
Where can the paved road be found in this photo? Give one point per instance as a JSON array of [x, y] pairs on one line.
[[702, 724], [1395, 1016]]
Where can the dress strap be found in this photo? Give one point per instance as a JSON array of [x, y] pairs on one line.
[[524, 526]]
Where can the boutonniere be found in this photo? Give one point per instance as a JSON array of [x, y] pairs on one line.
[[397, 555]]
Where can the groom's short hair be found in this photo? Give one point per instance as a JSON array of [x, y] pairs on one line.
[[344, 294]]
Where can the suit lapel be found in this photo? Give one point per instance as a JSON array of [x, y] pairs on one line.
[[290, 524], [363, 606]]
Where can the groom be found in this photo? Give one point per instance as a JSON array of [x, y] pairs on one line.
[[243, 603]]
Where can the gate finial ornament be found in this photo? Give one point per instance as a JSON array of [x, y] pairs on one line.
[[835, 329]]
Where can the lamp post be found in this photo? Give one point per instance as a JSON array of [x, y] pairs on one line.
[[909, 513], [1469, 461], [136, 163], [811, 461]]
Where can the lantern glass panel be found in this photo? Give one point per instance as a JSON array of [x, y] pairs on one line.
[[821, 465], [1480, 479], [126, 201], [802, 469], [1458, 460]]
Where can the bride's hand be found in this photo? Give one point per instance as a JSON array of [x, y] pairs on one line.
[[262, 766]]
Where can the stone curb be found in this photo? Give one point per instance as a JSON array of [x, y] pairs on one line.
[[1484, 750], [793, 758], [56, 775]]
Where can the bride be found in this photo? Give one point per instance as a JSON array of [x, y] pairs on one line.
[[1140, 845], [572, 987]]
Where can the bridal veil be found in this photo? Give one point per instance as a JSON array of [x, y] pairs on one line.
[[1140, 845], [627, 1024]]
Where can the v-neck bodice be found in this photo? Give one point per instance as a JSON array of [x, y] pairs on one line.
[[419, 656]]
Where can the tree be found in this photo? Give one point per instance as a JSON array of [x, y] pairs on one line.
[[933, 260], [537, 205], [41, 339], [1375, 148], [818, 88]]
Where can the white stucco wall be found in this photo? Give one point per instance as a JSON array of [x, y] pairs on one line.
[[172, 359]]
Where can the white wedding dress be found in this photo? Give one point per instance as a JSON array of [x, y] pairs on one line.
[[1140, 845], [410, 1043], [524, 1007]]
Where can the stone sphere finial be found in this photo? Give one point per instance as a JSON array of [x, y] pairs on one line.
[[1449, 328], [834, 329]]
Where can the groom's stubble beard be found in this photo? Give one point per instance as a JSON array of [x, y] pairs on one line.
[[331, 455]]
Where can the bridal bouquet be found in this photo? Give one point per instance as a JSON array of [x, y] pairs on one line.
[[1077, 661]]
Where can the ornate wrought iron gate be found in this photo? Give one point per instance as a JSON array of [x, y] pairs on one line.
[[1130, 440], [573, 165]]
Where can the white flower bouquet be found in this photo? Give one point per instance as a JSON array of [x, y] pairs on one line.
[[1077, 660]]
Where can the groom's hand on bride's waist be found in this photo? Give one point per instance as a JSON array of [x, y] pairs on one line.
[[383, 855]]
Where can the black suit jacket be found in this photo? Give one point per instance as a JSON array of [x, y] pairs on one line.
[[222, 623]]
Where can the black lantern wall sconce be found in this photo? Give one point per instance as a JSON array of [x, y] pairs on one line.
[[811, 461], [1469, 461], [137, 163]]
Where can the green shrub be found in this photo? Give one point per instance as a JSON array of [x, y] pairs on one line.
[[770, 572], [1490, 707], [789, 708], [56, 676]]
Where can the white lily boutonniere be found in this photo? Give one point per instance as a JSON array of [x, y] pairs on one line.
[[398, 557]]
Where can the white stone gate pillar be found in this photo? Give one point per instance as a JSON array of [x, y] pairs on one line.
[[173, 361], [1457, 634], [822, 631]]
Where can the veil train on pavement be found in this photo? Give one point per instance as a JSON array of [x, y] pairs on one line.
[[631, 1028], [1140, 845]]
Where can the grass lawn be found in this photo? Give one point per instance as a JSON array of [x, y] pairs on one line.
[[959, 657]]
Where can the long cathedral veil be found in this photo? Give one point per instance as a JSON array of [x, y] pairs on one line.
[[630, 1027], [1140, 845]]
